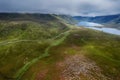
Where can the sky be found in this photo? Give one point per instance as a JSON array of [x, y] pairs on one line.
[[68, 7]]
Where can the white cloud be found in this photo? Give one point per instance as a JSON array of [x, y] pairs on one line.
[[71, 7]]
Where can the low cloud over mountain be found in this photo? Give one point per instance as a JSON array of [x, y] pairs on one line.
[[71, 7]]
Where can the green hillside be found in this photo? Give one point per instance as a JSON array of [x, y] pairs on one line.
[[37, 47]]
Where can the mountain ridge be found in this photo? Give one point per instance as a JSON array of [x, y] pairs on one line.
[[112, 21]]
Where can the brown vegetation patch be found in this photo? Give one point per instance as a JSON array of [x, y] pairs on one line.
[[78, 67], [41, 75]]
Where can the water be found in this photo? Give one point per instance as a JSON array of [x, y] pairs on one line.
[[88, 24], [92, 25], [107, 30]]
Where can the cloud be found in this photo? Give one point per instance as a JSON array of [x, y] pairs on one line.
[[70, 7]]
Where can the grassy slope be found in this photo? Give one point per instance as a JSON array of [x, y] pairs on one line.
[[23, 42], [99, 47]]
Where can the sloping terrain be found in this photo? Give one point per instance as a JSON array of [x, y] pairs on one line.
[[84, 55], [42, 49], [115, 23], [23, 41], [110, 21], [67, 19]]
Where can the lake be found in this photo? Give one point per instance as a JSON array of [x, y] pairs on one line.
[[99, 27]]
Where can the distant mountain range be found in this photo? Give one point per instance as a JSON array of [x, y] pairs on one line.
[[108, 20], [99, 19], [37, 17]]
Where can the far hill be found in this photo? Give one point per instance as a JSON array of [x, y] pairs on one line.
[[98, 19], [108, 20]]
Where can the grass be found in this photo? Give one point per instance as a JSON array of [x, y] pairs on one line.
[[101, 47], [21, 72], [97, 46], [21, 42], [29, 48]]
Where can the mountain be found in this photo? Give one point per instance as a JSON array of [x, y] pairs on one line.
[[112, 21], [68, 19], [48, 47], [13, 25], [27, 16], [98, 19], [115, 23]]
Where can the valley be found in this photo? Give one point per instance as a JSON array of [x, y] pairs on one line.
[[52, 47]]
